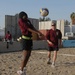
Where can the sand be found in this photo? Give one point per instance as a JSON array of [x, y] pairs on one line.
[[37, 64]]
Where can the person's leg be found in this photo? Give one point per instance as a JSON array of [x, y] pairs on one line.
[[49, 54], [27, 47], [54, 58], [7, 45], [49, 57], [26, 55]]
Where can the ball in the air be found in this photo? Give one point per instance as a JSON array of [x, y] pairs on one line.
[[44, 12]]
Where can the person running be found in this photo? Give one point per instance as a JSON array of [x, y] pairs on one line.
[[8, 38], [26, 29], [54, 39]]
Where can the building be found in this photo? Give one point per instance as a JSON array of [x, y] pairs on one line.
[[2, 34], [11, 24]]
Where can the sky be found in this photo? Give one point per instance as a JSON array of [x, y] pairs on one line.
[[58, 9]]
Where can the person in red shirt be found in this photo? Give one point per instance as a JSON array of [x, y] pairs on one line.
[[26, 29], [53, 38], [8, 38]]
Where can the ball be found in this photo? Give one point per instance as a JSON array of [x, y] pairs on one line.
[[44, 12]]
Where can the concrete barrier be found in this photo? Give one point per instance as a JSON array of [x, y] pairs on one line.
[[68, 43], [16, 46], [40, 44]]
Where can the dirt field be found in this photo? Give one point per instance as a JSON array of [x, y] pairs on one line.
[[37, 65]]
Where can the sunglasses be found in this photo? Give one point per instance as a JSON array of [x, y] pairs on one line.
[[53, 25]]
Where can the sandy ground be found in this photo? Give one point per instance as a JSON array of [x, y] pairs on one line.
[[37, 64]]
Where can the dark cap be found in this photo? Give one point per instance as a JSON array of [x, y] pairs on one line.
[[53, 24]]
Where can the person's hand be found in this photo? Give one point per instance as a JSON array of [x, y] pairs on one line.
[[51, 44], [39, 35], [19, 39]]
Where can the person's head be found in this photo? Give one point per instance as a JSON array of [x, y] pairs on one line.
[[23, 15], [53, 26], [8, 32]]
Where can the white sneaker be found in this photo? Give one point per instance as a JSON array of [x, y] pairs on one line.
[[53, 65], [20, 72]]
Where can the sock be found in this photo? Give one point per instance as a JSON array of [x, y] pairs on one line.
[[53, 63]]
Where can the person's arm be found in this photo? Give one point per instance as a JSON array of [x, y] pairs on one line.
[[60, 41], [60, 38], [48, 37], [33, 29], [49, 42], [10, 37]]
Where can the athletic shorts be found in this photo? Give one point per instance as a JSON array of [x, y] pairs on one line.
[[53, 48], [26, 44]]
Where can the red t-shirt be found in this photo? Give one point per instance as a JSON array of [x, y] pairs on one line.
[[24, 27], [8, 36], [53, 36]]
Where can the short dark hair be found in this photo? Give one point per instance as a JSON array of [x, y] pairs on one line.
[[8, 32], [22, 13]]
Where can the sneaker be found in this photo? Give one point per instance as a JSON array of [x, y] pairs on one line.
[[53, 65], [24, 71], [20, 72], [48, 61]]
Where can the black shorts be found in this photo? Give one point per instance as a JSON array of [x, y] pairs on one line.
[[26, 44], [53, 48]]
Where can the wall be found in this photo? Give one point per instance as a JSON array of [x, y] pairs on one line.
[[45, 25], [16, 46]]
